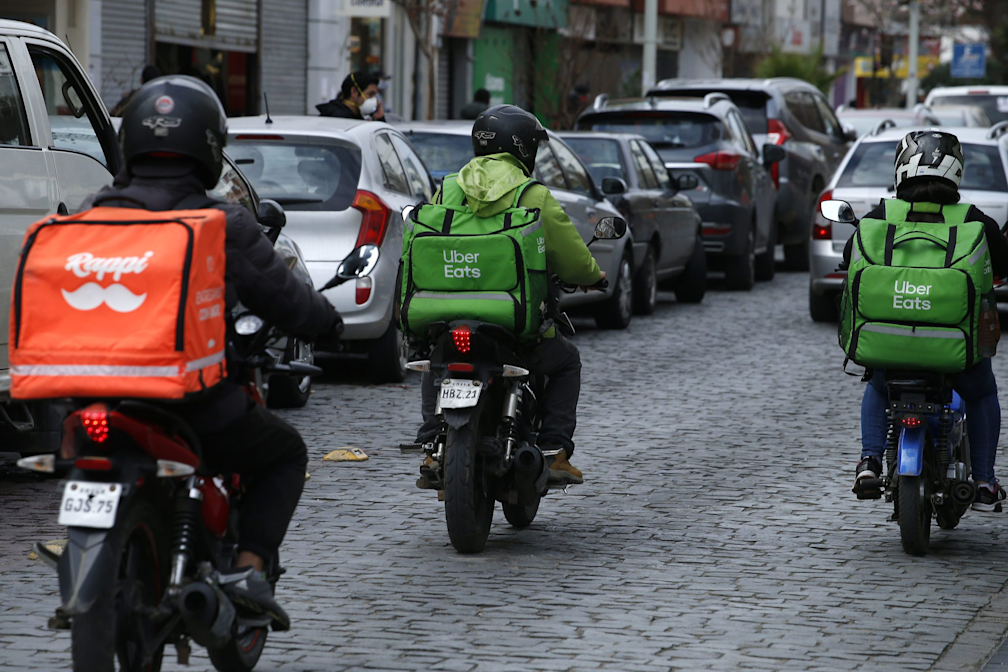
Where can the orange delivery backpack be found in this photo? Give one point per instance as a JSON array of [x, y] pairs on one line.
[[117, 302]]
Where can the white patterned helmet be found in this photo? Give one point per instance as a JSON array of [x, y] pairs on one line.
[[929, 155]]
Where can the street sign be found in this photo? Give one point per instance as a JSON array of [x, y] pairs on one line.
[[969, 61]]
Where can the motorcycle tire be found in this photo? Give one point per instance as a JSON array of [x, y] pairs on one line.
[[914, 515], [520, 515], [241, 653], [468, 509], [95, 636], [290, 391]]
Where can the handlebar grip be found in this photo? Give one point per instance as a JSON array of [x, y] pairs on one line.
[[602, 284]]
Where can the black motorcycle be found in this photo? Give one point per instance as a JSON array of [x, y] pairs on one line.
[[486, 449]]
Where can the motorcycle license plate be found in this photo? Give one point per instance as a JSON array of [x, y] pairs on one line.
[[460, 393], [90, 504]]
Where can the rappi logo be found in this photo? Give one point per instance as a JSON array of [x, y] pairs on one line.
[[90, 295]]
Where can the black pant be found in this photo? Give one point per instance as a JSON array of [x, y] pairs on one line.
[[558, 360], [271, 458]]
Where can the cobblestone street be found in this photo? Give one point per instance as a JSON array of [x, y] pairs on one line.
[[715, 529]]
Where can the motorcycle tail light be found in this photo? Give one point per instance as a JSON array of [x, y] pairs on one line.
[[911, 421], [460, 367], [93, 463], [95, 421], [462, 337]]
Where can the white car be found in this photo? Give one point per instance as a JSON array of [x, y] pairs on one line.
[[342, 183], [866, 176], [993, 99]]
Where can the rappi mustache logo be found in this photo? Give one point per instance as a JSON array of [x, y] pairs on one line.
[[90, 295]]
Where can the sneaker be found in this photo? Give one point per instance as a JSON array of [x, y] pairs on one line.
[[867, 482], [988, 500], [428, 475], [250, 590], [562, 471]]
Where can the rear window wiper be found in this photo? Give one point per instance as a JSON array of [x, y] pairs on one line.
[[297, 200]]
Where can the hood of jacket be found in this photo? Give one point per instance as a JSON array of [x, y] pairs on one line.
[[339, 108], [489, 183]]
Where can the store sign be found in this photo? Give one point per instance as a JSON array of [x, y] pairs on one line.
[[378, 9], [925, 64], [669, 32], [463, 19]]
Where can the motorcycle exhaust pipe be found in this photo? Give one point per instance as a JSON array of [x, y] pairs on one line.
[[207, 612], [529, 472], [964, 492]]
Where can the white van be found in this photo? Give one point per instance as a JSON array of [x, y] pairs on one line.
[[57, 146]]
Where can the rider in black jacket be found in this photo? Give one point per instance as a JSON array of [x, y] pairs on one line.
[[172, 136]]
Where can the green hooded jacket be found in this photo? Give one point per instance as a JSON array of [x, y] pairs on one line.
[[489, 183]]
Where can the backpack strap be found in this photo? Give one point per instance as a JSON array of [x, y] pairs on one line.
[[521, 190]]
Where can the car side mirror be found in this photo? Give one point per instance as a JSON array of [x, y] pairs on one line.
[[838, 211], [849, 133], [686, 182], [773, 154], [613, 186], [610, 228], [271, 214]]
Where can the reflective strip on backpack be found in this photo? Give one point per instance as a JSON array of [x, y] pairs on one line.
[[855, 253], [94, 370], [914, 333], [529, 230], [980, 251], [203, 362], [485, 296]]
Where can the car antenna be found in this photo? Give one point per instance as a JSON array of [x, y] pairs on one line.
[[266, 98]]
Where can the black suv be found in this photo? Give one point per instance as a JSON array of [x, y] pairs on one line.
[[735, 196], [795, 115]]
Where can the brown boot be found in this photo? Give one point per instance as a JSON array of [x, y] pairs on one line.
[[427, 471], [563, 471]]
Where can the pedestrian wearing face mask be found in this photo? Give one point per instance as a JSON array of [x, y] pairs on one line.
[[358, 99]]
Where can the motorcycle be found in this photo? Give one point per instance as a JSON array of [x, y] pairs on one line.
[[927, 460], [486, 450], [151, 529]]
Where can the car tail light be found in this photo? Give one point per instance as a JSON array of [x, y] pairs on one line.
[[825, 231], [977, 92], [719, 160], [95, 422], [375, 221], [777, 132], [93, 463], [715, 229], [461, 336], [363, 290], [460, 367]]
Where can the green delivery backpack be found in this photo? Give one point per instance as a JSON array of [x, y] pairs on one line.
[[456, 265], [912, 295]]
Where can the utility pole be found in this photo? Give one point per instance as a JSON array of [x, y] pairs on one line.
[[912, 48], [650, 45]]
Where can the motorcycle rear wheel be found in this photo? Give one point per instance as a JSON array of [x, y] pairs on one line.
[[914, 515], [105, 632], [468, 509], [520, 515]]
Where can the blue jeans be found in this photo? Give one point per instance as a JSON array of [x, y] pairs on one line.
[[977, 388]]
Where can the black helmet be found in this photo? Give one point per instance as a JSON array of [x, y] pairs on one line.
[[927, 156], [176, 115], [508, 129]]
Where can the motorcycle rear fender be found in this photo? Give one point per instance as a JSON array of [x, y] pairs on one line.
[[88, 561], [459, 417], [910, 457]]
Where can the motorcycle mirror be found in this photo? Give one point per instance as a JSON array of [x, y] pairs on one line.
[[610, 228], [358, 263], [838, 211], [407, 211], [271, 214]]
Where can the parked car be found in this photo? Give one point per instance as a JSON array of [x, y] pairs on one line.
[[441, 145], [972, 116], [735, 196], [993, 99], [342, 183], [57, 146], [664, 222], [795, 115], [867, 120], [866, 176]]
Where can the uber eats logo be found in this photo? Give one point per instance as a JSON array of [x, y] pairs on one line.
[[908, 296], [457, 264]]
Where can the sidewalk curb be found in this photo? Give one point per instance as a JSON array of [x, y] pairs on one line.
[[979, 639]]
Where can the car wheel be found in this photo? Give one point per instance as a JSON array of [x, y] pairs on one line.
[[645, 285], [290, 391], [617, 311], [740, 271], [765, 263], [691, 286], [822, 308], [388, 356]]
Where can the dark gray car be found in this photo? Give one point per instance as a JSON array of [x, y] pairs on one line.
[[795, 115], [735, 196], [664, 222]]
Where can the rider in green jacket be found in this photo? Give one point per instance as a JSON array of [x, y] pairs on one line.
[[505, 140]]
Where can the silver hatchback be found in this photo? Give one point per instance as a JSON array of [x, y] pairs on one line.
[[342, 183]]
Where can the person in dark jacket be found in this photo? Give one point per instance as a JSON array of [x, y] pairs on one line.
[[481, 101], [928, 170], [149, 72], [358, 99], [171, 171]]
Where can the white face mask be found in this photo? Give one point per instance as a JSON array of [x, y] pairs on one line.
[[369, 106]]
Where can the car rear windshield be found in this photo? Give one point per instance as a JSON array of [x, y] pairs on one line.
[[600, 155], [664, 130], [996, 107], [872, 166], [865, 123], [752, 104], [443, 153], [300, 176]]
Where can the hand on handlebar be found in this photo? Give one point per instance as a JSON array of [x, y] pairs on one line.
[[599, 286]]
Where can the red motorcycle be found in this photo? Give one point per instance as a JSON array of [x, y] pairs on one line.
[[151, 529]]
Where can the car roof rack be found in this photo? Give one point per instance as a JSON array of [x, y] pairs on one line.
[[711, 98], [997, 130], [883, 125]]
